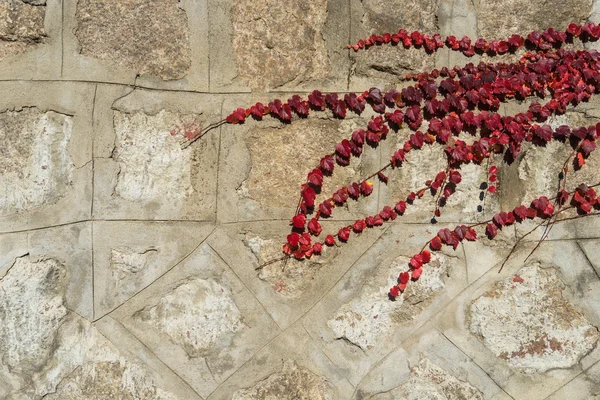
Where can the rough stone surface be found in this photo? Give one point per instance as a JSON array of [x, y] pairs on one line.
[[370, 316], [21, 26], [500, 19], [274, 179], [294, 382], [35, 165], [288, 278], [389, 62], [429, 381], [150, 37], [526, 321], [152, 164], [31, 310], [279, 42], [195, 315]]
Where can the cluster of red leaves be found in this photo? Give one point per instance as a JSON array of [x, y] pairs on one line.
[[452, 101]]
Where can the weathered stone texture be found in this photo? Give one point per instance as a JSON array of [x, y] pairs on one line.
[[153, 165], [149, 36], [387, 61], [279, 42], [428, 381], [289, 278], [275, 176], [526, 321], [366, 319], [35, 166], [500, 19], [196, 315], [21, 26], [294, 382], [31, 310]]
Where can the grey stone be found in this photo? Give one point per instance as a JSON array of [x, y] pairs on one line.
[[21, 26]]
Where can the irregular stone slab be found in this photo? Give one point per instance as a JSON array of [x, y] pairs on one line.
[[429, 381], [279, 42], [35, 166], [150, 37], [289, 278], [127, 261], [294, 382], [498, 19], [195, 315], [21, 26], [50, 351], [31, 309], [152, 164], [526, 321], [371, 315]]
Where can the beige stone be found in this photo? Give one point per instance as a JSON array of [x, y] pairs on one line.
[[279, 42], [21, 26], [150, 37]]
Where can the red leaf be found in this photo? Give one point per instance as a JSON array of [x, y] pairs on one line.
[[492, 189], [317, 248], [417, 273], [366, 188], [426, 256], [587, 146], [471, 235], [316, 99], [382, 177], [315, 177], [329, 240], [354, 190], [455, 177], [400, 207], [339, 109], [404, 277], [340, 196], [394, 291], [314, 227], [325, 208], [327, 164], [293, 239], [436, 243], [344, 234], [491, 230], [299, 220], [359, 225], [398, 158], [309, 195]]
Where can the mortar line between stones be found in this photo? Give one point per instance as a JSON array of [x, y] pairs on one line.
[[572, 379], [62, 37], [159, 277], [44, 227], [587, 258], [155, 356], [93, 274], [349, 41], [218, 165], [208, 43], [93, 148], [474, 362], [247, 288]]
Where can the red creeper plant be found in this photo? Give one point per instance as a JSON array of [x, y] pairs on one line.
[[451, 101]]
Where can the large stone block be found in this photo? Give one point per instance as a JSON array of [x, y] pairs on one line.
[[199, 320], [279, 44], [149, 37]]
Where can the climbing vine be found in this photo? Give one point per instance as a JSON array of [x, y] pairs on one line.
[[451, 101]]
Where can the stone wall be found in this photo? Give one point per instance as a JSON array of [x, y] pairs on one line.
[[128, 263]]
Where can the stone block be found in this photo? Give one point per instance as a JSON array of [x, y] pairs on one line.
[[290, 367], [357, 322], [161, 42], [200, 320], [278, 45], [149, 173], [286, 288], [264, 163], [129, 256]]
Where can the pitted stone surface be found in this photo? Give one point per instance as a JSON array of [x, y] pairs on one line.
[[500, 19], [289, 278], [279, 42], [526, 321], [35, 165], [114, 379], [21, 26], [394, 61], [428, 381], [196, 315], [128, 261], [148, 36], [31, 310], [294, 382], [148, 151], [371, 315], [275, 178]]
